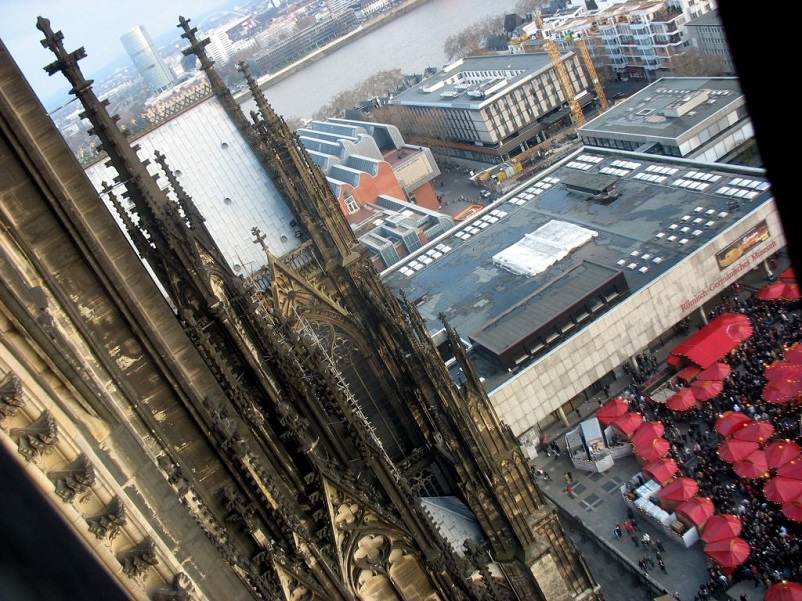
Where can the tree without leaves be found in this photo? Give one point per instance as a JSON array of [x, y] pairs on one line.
[[377, 85], [695, 63], [470, 41]]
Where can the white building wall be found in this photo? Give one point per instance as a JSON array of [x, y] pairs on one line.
[[630, 327], [216, 164]]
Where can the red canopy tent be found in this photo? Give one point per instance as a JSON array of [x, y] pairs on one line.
[[782, 490], [786, 590], [682, 400], [628, 423], [715, 340], [780, 452], [788, 274], [782, 390], [696, 511], [752, 466], [717, 371], [734, 449], [728, 553], [783, 369], [792, 510], [704, 390], [664, 469], [758, 431], [688, 373], [647, 432], [731, 421], [721, 527], [792, 469], [612, 410], [653, 450]]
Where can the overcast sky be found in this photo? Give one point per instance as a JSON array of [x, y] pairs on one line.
[[97, 25]]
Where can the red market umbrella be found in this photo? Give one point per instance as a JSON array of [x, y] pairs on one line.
[[647, 432], [704, 390], [738, 326], [779, 291], [783, 369], [758, 431], [788, 274], [794, 353], [734, 449], [663, 469], [728, 553], [784, 591], [717, 371], [697, 510], [653, 450], [628, 423], [612, 410], [752, 466], [682, 400], [782, 490], [792, 469], [780, 452], [721, 527], [792, 510], [679, 489], [782, 390], [731, 421]]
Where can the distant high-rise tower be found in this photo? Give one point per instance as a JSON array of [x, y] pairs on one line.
[[157, 75]]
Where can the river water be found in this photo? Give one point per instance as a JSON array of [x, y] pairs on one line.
[[411, 43]]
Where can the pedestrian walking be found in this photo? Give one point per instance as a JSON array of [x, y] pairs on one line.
[[646, 539], [635, 540], [658, 543], [617, 531], [629, 527], [662, 565]]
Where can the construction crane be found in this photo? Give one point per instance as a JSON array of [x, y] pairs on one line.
[[594, 76], [565, 82]]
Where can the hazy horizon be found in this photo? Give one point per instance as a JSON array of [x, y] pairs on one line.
[[97, 26]]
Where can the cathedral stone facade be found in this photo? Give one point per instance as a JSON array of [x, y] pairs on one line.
[[210, 437]]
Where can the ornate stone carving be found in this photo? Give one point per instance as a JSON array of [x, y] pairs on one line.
[[107, 523], [75, 480], [138, 559], [178, 591], [11, 398], [37, 439]]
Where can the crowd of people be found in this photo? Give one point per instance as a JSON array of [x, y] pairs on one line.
[[774, 539]]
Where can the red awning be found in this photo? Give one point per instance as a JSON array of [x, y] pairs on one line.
[[715, 340]]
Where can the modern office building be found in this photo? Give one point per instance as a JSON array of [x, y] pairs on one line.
[[491, 108], [558, 284], [157, 75], [706, 33], [702, 118]]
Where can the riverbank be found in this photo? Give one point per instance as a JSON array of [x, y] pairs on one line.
[[366, 27]]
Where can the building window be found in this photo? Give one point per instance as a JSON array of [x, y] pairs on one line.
[[350, 202]]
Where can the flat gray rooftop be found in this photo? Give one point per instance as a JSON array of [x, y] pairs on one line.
[[461, 83], [641, 115], [663, 211]]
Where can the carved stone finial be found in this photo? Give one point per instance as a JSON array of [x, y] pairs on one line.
[[39, 438], [75, 480], [11, 398], [138, 559], [107, 523]]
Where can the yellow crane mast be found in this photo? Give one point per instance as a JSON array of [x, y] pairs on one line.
[[565, 82], [594, 76]]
